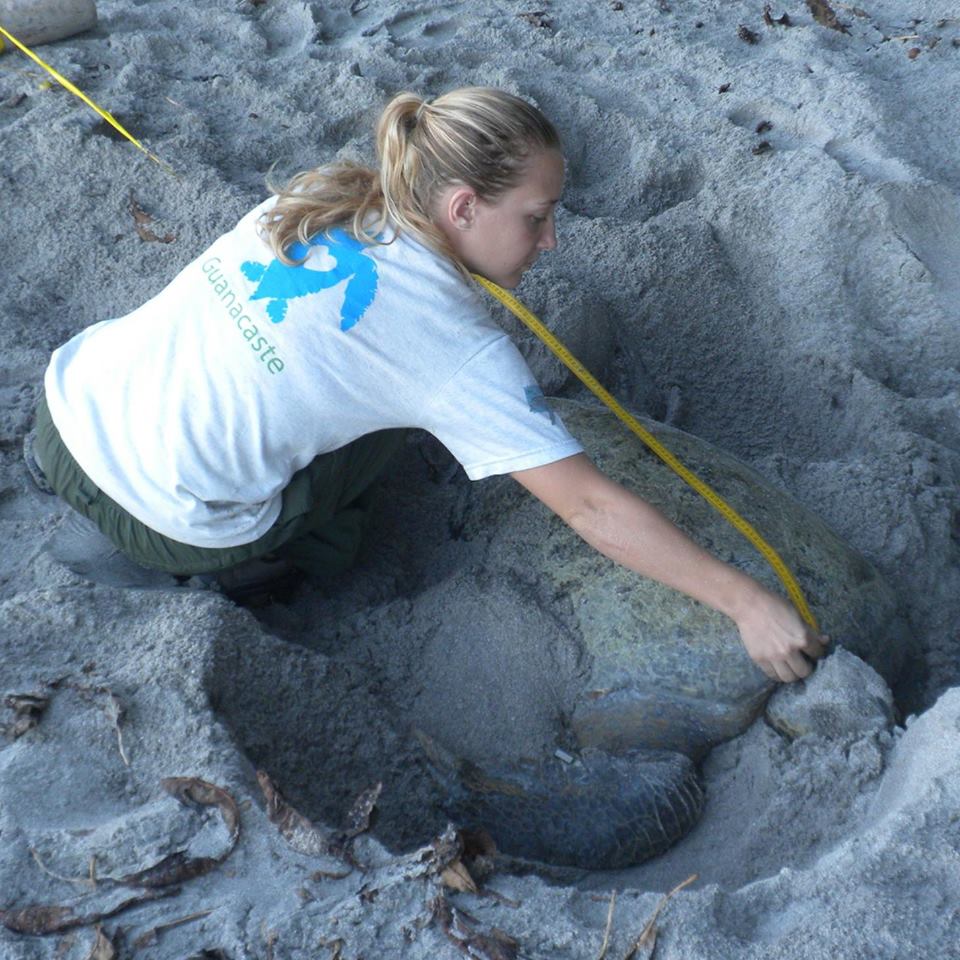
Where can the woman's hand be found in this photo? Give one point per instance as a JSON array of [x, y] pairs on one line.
[[778, 640]]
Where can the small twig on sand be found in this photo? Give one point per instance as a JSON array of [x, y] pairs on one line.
[[150, 937], [648, 935], [606, 932], [83, 881]]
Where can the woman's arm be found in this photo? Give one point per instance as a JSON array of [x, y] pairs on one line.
[[627, 529]]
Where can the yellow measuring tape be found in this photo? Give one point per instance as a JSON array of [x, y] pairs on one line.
[[705, 491], [64, 82]]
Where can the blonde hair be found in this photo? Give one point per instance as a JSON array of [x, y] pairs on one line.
[[477, 136]]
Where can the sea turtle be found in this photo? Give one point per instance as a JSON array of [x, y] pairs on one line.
[[658, 671]]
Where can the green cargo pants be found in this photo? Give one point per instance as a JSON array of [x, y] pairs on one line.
[[324, 512]]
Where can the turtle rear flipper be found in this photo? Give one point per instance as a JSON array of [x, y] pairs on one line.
[[601, 812]]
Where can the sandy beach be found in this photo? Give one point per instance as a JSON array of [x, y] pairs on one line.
[[759, 243]]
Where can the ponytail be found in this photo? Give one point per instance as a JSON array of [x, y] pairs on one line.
[[478, 136]]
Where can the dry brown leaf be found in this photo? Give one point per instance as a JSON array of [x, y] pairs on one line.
[[360, 814], [336, 946], [304, 836], [770, 20], [446, 849], [53, 918], [457, 877], [192, 790], [330, 874], [27, 710], [537, 18], [300, 832], [140, 220], [747, 35], [824, 15], [459, 927], [102, 948]]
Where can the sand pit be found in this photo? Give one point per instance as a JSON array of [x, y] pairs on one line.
[[759, 243]]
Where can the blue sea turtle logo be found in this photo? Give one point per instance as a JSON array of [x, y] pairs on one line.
[[280, 283], [538, 402]]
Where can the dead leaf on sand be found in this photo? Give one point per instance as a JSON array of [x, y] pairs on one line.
[[305, 836], [140, 220], [300, 832], [824, 15], [770, 20], [457, 877], [335, 945], [460, 929], [102, 948], [537, 18], [37, 920], [27, 710], [360, 814]]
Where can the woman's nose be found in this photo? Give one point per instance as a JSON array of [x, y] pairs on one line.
[[548, 237]]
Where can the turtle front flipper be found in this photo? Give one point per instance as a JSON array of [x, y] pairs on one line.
[[602, 812]]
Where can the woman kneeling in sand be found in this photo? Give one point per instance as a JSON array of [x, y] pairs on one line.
[[235, 423]]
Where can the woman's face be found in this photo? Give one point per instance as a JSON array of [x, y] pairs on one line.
[[501, 239]]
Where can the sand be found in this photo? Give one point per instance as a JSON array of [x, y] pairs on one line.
[[759, 242]]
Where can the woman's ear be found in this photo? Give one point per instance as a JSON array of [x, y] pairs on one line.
[[462, 207]]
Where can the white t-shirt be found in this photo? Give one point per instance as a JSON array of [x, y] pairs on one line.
[[194, 411]]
